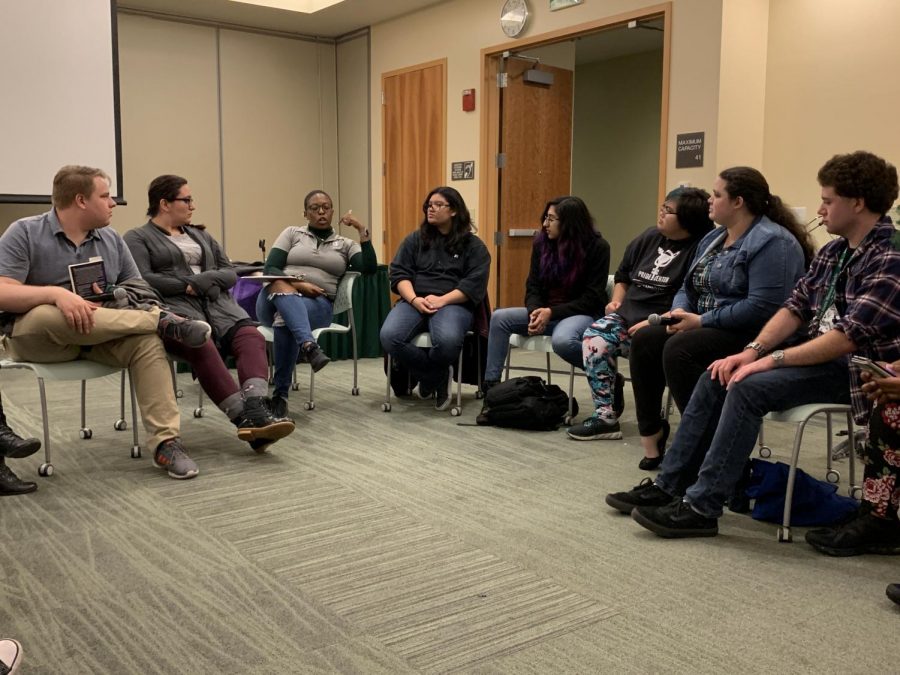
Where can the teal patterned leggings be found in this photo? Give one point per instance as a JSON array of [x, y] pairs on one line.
[[602, 344]]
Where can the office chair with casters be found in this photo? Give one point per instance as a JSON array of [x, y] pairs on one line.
[[69, 371]]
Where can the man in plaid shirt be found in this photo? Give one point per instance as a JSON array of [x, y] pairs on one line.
[[847, 303]]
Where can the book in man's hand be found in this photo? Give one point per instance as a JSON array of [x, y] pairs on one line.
[[84, 275]]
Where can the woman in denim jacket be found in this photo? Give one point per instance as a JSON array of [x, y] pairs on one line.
[[739, 277]]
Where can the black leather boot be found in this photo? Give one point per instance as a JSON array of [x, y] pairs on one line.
[[13, 445], [11, 484]]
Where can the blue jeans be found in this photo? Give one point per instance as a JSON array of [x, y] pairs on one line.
[[448, 328], [301, 316], [565, 337], [727, 422]]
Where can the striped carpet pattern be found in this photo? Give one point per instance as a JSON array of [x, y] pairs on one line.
[[401, 542]]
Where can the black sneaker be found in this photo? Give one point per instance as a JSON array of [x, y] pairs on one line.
[[893, 592], [619, 395], [256, 421], [312, 354], [444, 392], [11, 484], [13, 445], [865, 533], [595, 428], [645, 493], [675, 520], [189, 332], [279, 406]]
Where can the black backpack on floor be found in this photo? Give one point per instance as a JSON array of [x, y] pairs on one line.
[[525, 403]]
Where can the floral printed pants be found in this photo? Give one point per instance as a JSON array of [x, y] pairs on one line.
[[882, 459]]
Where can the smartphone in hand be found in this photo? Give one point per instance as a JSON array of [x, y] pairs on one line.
[[872, 367]]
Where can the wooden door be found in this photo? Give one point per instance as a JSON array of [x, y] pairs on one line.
[[536, 142], [414, 142]]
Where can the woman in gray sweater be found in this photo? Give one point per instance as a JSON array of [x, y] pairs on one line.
[[194, 276]]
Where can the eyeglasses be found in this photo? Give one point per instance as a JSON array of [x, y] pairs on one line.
[[551, 219], [668, 210], [186, 200], [320, 208], [437, 206]]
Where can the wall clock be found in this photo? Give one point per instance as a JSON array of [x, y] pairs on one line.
[[513, 17]]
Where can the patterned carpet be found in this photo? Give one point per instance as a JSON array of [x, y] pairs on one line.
[[401, 542]]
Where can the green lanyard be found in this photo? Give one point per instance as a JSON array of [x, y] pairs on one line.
[[832, 288]]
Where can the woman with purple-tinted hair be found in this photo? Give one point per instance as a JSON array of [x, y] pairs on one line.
[[565, 290]]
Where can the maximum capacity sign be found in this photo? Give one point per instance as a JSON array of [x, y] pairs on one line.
[[689, 150]]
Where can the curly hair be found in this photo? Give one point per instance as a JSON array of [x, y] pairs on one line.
[[751, 185], [862, 175]]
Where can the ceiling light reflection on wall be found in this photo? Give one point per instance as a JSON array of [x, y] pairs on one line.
[[302, 6]]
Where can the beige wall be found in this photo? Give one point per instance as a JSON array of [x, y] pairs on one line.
[[468, 26], [615, 153], [352, 60], [742, 83], [830, 88], [254, 113]]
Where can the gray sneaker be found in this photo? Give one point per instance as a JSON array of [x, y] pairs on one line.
[[171, 456], [189, 332]]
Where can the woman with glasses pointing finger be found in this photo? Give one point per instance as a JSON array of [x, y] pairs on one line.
[[319, 256]]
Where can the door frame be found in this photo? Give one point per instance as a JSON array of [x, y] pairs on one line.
[[489, 188], [385, 254]]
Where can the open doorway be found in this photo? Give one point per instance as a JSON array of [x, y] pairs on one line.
[[603, 141]]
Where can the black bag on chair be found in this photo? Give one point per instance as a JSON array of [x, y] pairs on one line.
[[525, 403]]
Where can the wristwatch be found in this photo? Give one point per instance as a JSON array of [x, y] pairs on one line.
[[778, 357], [757, 347]]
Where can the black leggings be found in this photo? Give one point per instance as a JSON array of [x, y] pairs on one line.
[[658, 358]]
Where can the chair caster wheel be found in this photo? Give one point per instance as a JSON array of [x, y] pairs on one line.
[[309, 405], [179, 393], [86, 433], [567, 420], [765, 451], [354, 391], [856, 492], [120, 425], [135, 452], [385, 407], [784, 535], [833, 476], [479, 394], [198, 412], [45, 469], [455, 411], [295, 386]]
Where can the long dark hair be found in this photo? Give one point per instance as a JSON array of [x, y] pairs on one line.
[[747, 182], [562, 259], [461, 223]]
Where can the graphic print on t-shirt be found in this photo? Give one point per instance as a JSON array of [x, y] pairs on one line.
[[663, 260]]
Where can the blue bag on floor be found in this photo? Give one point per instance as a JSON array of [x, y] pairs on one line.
[[815, 502]]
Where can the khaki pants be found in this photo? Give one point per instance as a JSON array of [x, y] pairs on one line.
[[123, 338]]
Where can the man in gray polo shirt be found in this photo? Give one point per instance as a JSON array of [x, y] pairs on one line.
[[51, 324]]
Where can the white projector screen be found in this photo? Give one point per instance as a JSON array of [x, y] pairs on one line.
[[60, 94]]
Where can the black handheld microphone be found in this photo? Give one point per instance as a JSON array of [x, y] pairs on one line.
[[118, 295], [657, 320]]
